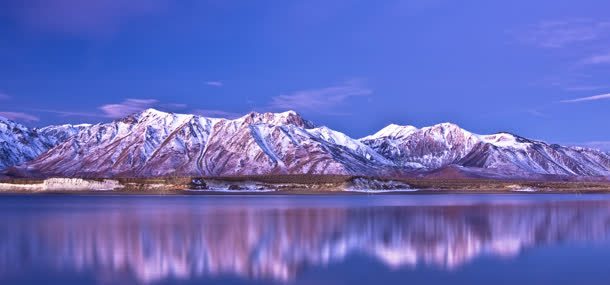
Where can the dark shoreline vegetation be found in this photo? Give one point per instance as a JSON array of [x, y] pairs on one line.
[[317, 184]]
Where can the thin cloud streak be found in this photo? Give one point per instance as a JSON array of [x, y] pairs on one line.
[[586, 88], [536, 113], [597, 59], [586, 99], [4, 96], [214, 83], [64, 113], [559, 34], [127, 107], [320, 100], [131, 106], [18, 116]]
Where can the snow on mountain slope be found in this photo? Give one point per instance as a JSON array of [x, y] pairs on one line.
[[352, 145], [520, 154], [264, 148], [392, 131], [249, 147], [429, 148], [19, 144], [57, 134], [154, 143], [446, 144], [150, 143], [276, 119]]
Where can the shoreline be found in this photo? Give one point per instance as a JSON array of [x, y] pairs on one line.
[[293, 185], [297, 193]]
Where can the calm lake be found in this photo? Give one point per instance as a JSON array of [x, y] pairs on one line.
[[346, 239]]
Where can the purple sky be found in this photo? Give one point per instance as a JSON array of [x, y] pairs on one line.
[[535, 69]]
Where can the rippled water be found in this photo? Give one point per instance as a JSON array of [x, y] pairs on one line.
[[385, 239]]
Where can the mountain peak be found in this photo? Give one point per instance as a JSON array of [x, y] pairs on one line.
[[290, 113], [153, 116], [153, 112], [507, 140], [392, 131], [444, 126], [6, 124], [156, 143], [283, 118]]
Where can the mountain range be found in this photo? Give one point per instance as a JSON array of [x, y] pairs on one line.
[[154, 143]]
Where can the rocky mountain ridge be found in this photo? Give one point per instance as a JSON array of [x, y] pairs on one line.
[[154, 143]]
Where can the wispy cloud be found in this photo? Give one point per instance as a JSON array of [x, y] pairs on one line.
[[214, 83], [4, 96], [321, 99], [173, 107], [18, 116], [586, 99], [597, 59], [558, 34], [91, 18], [217, 113], [572, 82], [586, 87], [536, 113], [127, 107], [117, 110], [64, 113]]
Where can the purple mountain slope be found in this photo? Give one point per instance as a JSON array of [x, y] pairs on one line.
[[153, 143]]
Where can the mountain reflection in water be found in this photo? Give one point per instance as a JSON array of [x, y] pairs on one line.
[[149, 239]]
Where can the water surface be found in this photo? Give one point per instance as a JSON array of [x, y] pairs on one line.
[[417, 239]]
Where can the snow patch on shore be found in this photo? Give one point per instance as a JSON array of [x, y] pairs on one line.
[[64, 184], [519, 188]]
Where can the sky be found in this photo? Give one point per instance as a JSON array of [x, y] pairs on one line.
[[534, 68]]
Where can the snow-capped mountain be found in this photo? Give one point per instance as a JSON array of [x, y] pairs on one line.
[[155, 143], [149, 143], [447, 144], [265, 148], [513, 153], [53, 135], [426, 148], [19, 144]]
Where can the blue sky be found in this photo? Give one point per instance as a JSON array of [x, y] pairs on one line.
[[535, 68]]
